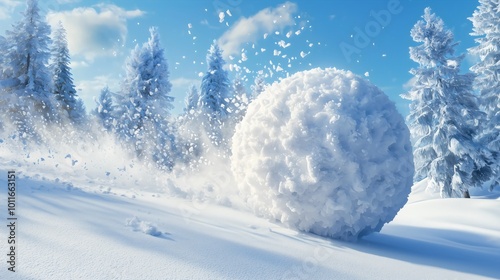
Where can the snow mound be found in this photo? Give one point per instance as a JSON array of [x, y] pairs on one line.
[[324, 151], [142, 226]]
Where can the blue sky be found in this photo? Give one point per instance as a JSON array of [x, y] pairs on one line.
[[264, 36]]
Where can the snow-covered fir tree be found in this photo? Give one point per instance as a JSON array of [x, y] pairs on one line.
[[26, 71], [486, 25], [63, 86], [214, 95], [105, 109], [444, 116], [191, 101], [215, 83], [146, 103]]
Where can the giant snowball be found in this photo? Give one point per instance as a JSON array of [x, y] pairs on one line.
[[324, 151]]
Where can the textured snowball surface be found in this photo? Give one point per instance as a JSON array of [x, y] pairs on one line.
[[324, 151]]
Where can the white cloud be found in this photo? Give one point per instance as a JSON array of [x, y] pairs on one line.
[[7, 7], [250, 29], [78, 64], [94, 31]]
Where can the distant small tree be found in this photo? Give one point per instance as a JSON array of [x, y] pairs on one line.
[[63, 86], [486, 26], [215, 84], [105, 110], [213, 101], [192, 97], [444, 116]]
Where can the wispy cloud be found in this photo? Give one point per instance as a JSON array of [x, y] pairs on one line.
[[95, 31], [249, 30], [7, 7]]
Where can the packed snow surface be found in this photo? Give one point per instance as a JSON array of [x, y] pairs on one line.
[[324, 151]]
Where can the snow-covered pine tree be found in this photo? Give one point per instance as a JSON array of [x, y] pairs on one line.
[[486, 25], [105, 109], [146, 103], [26, 67], [191, 102], [188, 141], [63, 87], [214, 95], [214, 84], [444, 116]]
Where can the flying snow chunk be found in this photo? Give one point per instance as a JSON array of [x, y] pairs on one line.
[[324, 151], [228, 12], [221, 17], [283, 44], [244, 57], [190, 25], [367, 74], [452, 63], [265, 35], [289, 34], [145, 227], [303, 54]]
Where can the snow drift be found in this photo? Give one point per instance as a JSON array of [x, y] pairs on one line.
[[324, 151]]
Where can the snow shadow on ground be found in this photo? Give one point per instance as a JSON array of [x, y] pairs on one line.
[[452, 250]]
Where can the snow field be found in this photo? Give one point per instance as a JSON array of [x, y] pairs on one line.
[[82, 233]]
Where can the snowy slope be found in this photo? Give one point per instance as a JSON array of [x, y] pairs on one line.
[[81, 232]]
